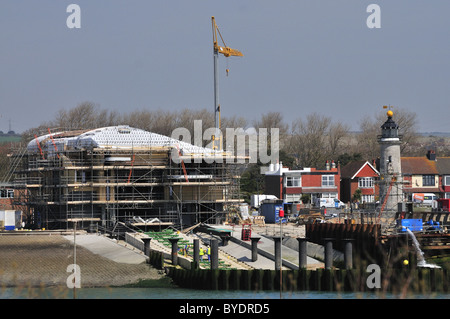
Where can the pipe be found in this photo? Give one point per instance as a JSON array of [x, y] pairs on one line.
[[255, 248], [277, 241], [146, 241], [214, 254], [196, 254], [174, 242], [302, 255], [348, 254], [328, 253]]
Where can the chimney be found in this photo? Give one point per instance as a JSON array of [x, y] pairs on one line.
[[333, 164], [327, 166], [431, 155]]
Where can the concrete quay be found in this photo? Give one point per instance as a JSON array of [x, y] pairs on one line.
[[242, 250], [37, 258]]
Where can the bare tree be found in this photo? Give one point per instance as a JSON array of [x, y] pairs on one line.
[[371, 128], [142, 119], [270, 121], [367, 139], [308, 140], [337, 133], [407, 123], [108, 118], [85, 115]]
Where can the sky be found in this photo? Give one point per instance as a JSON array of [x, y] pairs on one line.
[[300, 57]]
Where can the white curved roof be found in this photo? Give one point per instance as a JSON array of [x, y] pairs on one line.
[[122, 137]]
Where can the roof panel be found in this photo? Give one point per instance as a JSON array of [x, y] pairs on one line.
[[117, 137]]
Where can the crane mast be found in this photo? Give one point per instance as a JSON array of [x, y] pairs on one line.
[[227, 52]]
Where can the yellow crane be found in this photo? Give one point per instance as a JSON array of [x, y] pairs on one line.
[[227, 52]]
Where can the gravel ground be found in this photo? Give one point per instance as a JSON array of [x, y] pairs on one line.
[[290, 230], [42, 260]]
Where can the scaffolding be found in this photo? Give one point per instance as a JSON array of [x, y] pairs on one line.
[[71, 177]]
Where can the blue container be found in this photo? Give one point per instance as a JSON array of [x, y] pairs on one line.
[[411, 224], [271, 211]]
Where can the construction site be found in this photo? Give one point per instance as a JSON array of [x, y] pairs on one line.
[[123, 176], [116, 176], [132, 184]]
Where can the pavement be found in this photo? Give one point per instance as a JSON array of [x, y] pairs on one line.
[[109, 248], [33, 259]]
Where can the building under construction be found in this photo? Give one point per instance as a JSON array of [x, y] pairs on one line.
[[122, 174]]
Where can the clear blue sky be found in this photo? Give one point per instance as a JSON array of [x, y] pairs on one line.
[[301, 56]]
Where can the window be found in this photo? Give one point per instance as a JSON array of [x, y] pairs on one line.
[[368, 198], [327, 180], [447, 180], [293, 181], [290, 198], [6, 193], [365, 182], [329, 195], [428, 180]]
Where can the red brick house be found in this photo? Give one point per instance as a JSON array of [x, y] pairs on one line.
[[11, 199], [359, 175], [443, 166], [427, 174], [290, 185], [7, 194]]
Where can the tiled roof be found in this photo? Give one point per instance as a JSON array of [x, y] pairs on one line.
[[418, 165], [349, 170], [443, 165]]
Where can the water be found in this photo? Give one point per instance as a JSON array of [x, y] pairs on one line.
[[421, 262], [189, 294]]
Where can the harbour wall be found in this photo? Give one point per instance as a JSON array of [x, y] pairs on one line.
[[407, 278], [417, 280]]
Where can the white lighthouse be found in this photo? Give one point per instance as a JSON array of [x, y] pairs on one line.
[[391, 187]]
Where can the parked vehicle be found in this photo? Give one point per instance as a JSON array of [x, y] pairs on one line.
[[427, 199], [329, 203]]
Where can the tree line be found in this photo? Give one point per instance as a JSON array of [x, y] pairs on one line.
[[304, 141], [307, 141]]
